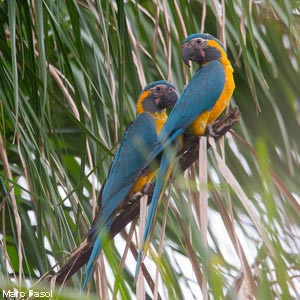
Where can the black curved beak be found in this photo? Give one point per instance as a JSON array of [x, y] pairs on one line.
[[189, 52], [169, 98]]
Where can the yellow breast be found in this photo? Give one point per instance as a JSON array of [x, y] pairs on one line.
[[141, 182], [199, 125], [224, 99]]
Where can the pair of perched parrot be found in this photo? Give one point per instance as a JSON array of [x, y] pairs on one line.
[[153, 134]]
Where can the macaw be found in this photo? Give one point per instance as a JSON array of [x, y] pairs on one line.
[[202, 101], [124, 174]]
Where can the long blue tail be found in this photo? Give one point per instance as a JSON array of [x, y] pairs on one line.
[[99, 241], [90, 267], [165, 170]]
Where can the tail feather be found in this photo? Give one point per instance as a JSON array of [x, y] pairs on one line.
[[165, 170], [99, 241], [90, 267]]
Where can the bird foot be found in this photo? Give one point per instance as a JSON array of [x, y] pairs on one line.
[[209, 130], [148, 188], [137, 196]]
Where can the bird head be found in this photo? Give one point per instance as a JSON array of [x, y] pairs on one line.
[[201, 48], [157, 96]]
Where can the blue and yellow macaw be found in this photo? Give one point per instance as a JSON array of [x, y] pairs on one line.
[[202, 101], [123, 178]]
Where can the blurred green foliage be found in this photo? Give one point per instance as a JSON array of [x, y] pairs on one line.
[[70, 73]]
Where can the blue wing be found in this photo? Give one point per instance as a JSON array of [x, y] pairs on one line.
[[136, 145], [200, 95]]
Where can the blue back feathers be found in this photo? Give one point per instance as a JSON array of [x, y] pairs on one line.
[[136, 145], [200, 95]]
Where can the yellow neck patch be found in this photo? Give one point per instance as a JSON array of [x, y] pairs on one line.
[[229, 86], [139, 107], [159, 117], [224, 60]]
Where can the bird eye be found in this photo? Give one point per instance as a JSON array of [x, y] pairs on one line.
[[158, 88], [199, 41]]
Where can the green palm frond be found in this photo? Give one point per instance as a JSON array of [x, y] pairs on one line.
[[70, 74]]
